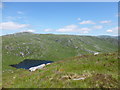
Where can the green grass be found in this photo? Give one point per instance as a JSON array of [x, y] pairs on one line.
[[73, 55], [99, 73]]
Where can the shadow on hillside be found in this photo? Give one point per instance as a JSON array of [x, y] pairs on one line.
[[28, 63]]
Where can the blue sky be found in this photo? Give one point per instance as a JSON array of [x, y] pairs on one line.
[[79, 18]]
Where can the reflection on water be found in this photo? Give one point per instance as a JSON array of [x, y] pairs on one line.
[[28, 63]]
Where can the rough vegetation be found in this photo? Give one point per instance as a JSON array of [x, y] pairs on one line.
[[75, 66]]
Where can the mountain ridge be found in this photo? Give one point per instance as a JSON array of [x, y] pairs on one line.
[[53, 47]]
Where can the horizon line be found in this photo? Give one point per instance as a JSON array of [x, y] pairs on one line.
[[60, 34]]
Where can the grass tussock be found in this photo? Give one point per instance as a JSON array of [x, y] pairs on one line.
[[90, 71]]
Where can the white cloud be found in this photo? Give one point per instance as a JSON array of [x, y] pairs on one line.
[[84, 30], [12, 26], [69, 28], [73, 28], [20, 12], [109, 30], [98, 27], [47, 30], [105, 21], [79, 19], [113, 30], [29, 30], [87, 22]]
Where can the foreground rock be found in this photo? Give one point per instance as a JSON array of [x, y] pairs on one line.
[[36, 67]]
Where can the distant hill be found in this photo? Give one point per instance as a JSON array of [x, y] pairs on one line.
[[107, 36], [19, 46]]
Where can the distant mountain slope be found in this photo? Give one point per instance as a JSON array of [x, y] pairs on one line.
[[19, 46], [107, 36]]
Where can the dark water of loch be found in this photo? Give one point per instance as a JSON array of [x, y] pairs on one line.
[[28, 63]]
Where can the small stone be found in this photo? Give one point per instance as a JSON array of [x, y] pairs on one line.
[[82, 78]]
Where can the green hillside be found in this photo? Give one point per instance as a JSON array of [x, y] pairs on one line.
[[61, 48], [99, 71], [17, 47]]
